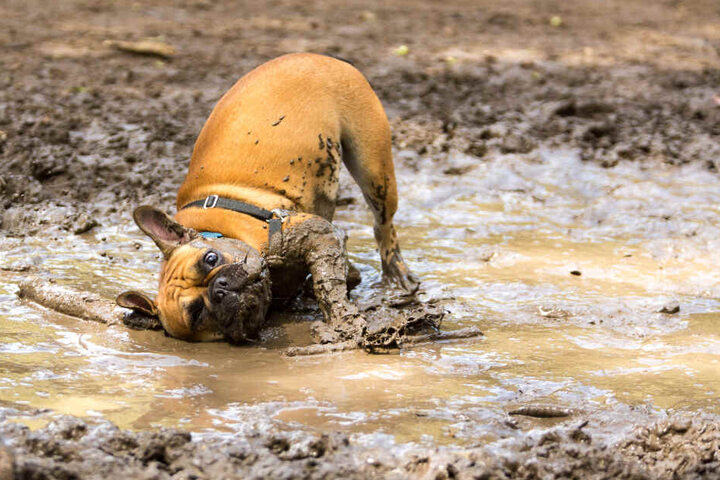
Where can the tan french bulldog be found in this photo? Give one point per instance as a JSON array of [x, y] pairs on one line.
[[255, 208]]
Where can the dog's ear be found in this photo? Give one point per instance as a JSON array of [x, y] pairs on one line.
[[138, 302], [164, 231]]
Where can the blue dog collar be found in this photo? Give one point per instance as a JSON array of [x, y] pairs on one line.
[[211, 234]]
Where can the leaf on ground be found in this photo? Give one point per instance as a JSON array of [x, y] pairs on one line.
[[149, 47]]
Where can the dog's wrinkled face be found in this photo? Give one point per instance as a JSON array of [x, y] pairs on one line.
[[209, 288]]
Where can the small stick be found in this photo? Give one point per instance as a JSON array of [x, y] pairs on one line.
[[87, 306], [539, 410], [320, 348], [468, 332]]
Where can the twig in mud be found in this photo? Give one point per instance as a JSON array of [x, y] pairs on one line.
[[469, 332], [403, 301], [319, 349], [71, 302], [538, 410]]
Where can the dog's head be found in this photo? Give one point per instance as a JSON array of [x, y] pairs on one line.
[[210, 288]]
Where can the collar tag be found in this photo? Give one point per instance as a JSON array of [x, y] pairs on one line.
[[211, 234]]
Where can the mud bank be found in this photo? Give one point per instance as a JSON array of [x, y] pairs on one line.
[[68, 447]]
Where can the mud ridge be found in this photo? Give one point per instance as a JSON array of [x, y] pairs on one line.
[[68, 447]]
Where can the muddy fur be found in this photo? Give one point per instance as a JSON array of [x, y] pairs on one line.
[[320, 246], [250, 304]]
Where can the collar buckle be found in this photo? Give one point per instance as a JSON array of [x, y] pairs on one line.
[[210, 201], [280, 214]]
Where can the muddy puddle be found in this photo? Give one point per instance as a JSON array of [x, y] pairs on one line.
[[565, 266]]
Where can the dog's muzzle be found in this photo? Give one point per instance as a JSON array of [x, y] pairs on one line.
[[239, 297]]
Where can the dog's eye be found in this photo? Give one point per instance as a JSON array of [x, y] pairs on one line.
[[211, 259]]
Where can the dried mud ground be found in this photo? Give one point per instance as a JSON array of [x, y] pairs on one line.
[[88, 132]]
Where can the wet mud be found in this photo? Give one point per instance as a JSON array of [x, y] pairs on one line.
[[72, 448], [558, 176], [88, 132]]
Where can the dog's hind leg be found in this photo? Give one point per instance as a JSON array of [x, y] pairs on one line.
[[367, 154]]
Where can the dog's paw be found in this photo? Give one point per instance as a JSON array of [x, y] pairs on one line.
[[348, 327], [322, 333], [400, 277]]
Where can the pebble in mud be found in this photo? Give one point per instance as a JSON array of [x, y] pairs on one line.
[[671, 308]]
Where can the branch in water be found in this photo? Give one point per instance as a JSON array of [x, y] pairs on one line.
[[539, 410], [87, 306], [319, 349], [469, 332]]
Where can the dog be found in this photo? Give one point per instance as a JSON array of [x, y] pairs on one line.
[[254, 212]]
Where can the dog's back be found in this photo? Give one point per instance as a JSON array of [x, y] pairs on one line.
[[275, 139]]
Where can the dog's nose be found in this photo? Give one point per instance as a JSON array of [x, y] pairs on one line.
[[219, 289]]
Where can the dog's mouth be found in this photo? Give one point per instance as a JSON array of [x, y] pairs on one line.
[[239, 298]]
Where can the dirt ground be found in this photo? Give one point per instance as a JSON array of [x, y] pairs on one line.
[[87, 132], [70, 448]]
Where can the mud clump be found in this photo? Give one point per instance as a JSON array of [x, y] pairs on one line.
[[390, 325], [682, 448], [69, 447]]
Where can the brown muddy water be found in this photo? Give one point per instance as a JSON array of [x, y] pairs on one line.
[[564, 265]]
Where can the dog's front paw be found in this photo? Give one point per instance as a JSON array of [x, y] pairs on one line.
[[398, 275], [322, 333], [341, 329]]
